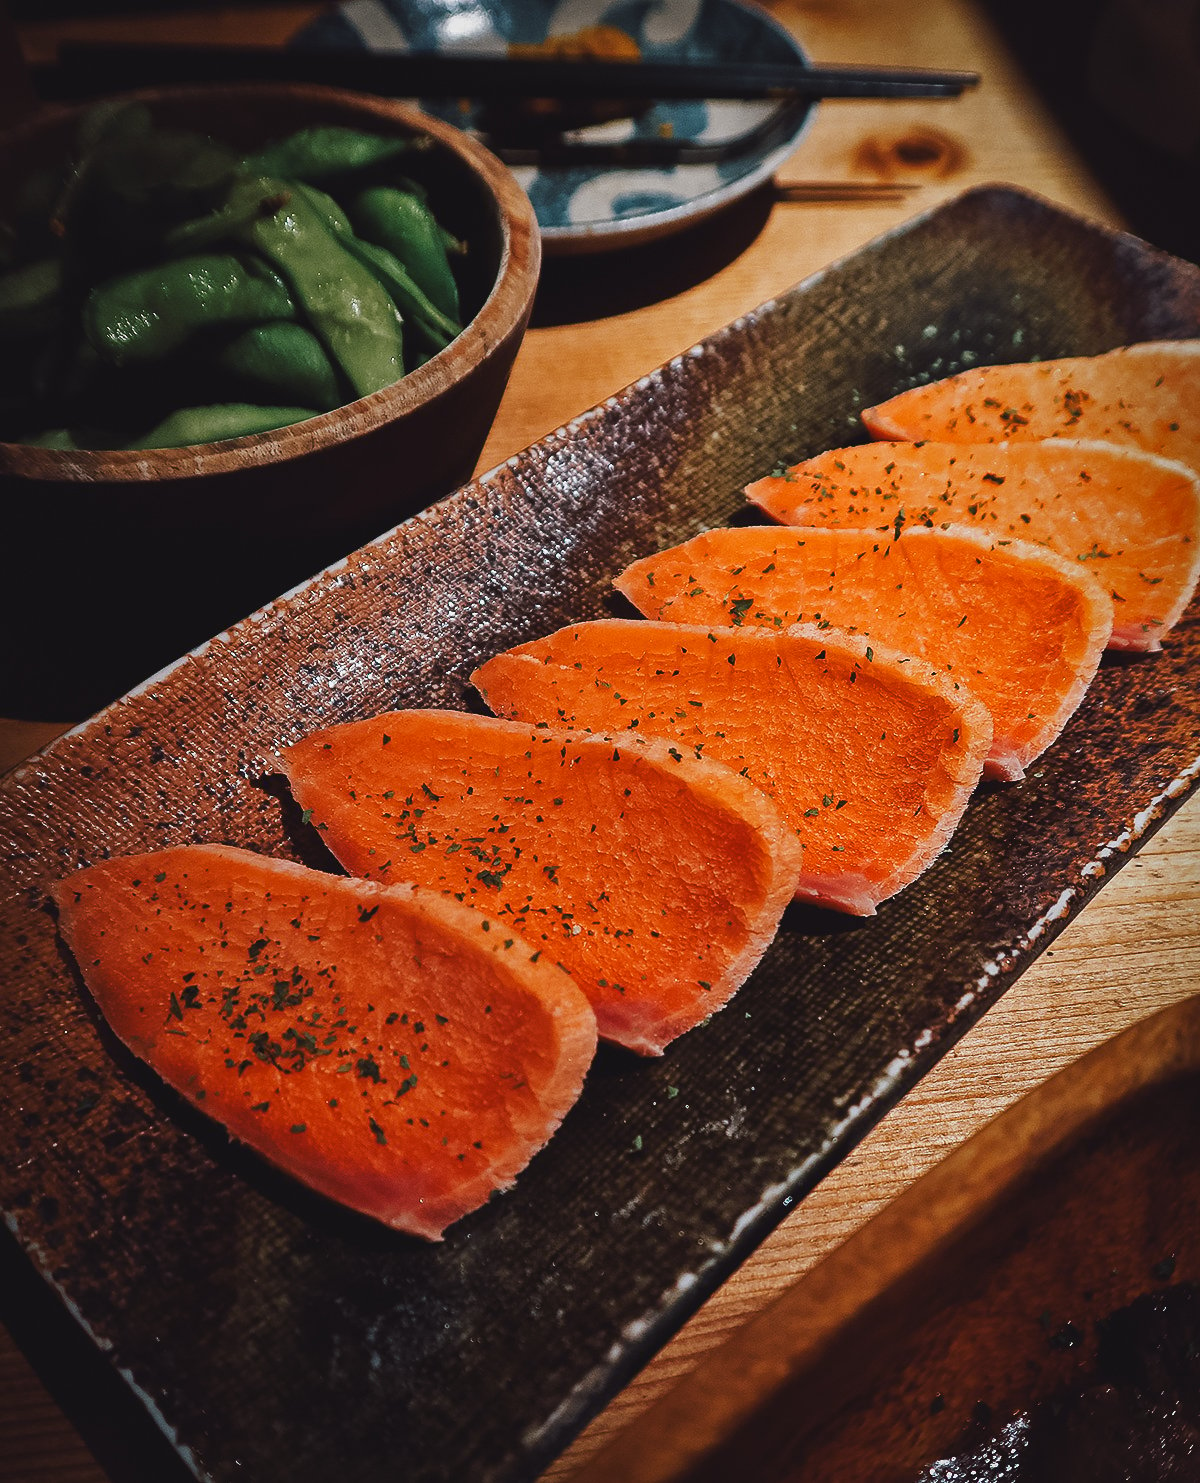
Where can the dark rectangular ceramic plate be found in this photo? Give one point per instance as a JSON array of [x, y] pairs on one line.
[[272, 1332]]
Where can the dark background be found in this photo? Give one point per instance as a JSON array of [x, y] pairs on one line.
[[1122, 79]]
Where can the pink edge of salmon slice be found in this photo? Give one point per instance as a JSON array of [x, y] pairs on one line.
[[853, 889]]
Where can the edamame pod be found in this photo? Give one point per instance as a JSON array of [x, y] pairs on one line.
[[281, 361], [327, 151], [30, 298], [222, 225], [408, 229], [418, 311], [141, 316], [60, 438], [415, 307], [325, 206], [192, 425], [345, 305]]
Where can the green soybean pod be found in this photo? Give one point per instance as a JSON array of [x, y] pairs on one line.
[[420, 315], [404, 224], [326, 151], [416, 309], [344, 304], [222, 225], [281, 362], [148, 314], [61, 438], [30, 299], [325, 206], [192, 425]]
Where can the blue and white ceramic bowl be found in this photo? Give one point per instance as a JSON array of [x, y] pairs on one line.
[[595, 207]]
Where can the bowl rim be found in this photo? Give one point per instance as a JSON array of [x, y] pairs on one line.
[[505, 309]]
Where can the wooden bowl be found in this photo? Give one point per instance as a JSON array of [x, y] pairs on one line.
[[976, 1296], [120, 560]]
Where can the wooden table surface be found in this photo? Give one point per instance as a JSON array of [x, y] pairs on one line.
[[599, 325]]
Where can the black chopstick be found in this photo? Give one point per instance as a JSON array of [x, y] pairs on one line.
[[86, 68]]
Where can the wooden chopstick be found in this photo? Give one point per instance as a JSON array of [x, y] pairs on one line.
[[835, 192], [85, 68]]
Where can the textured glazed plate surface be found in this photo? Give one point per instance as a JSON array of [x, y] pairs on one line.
[[592, 208], [251, 1315]]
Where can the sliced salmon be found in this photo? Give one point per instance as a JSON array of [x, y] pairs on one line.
[[657, 880], [396, 1051], [1140, 396], [1022, 627], [1132, 518], [869, 756]]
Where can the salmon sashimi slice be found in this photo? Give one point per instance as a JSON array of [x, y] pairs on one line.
[[1022, 627], [1132, 518], [657, 880], [379, 1043], [1141, 396], [869, 756]]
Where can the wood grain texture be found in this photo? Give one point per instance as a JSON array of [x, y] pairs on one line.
[[1134, 948]]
